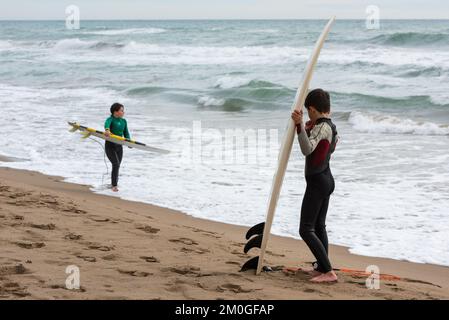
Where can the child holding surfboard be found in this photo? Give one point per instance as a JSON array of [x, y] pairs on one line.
[[317, 140], [118, 126]]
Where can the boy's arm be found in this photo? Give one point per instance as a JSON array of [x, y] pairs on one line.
[[107, 123], [319, 132], [126, 132]]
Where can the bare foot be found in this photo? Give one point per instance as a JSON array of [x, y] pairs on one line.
[[312, 272], [328, 277], [115, 189]]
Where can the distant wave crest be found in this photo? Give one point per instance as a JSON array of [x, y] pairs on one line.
[[117, 32], [411, 39], [380, 123]]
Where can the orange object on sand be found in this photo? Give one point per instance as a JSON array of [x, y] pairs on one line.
[[356, 273]]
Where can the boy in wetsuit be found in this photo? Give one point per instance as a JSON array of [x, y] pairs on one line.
[[117, 125], [317, 140]]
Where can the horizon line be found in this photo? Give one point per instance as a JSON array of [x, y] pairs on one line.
[[229, 19]]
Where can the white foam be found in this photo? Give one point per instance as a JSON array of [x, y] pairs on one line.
[[262, 31], [380, 123], [75, 43], [136, 53], [379, 208], [5, 45], [127, 31], [210, 101], [386, 56], [229, 82]]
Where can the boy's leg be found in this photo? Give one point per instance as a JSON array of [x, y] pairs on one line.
[[320, 226], [120, 153], [310, 210], [113, 157]]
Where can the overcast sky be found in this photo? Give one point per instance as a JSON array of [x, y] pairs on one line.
[[223, 9]]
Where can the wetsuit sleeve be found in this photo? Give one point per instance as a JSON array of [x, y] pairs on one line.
[[320, 132], [126, 132], [107, 123]]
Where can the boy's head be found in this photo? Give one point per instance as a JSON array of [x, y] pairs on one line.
[[117, 110], [317, 101]]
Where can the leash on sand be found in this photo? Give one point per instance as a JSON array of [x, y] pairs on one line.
[[104, 159]]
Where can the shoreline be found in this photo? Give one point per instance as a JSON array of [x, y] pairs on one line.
[[149, 252], [61, 179]]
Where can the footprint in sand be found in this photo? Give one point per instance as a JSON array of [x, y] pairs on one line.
[[49, 226], [60, 286], [185, 241], [196, 250], [100, 247], [205, 232], [148, 229], [238, 253], [99, 219], [10, 270], [12, 288], [274, 254], [135, 273], [150, 259], [87, 258], [30, 245], [73, 236], [238, 244], [236, 288], [16, 195], [110, 257], [233, 262], [7, 288], [186, 270], [73, 209]]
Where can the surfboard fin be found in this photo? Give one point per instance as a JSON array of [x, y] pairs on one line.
[[256, 229], [251, 264], [255, 236], [254, 242]]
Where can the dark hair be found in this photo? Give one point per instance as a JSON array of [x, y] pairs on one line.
[[319, 99], [116, 107]]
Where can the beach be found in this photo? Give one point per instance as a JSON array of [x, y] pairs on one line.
[[133, 250], [189, 85], [217, 94]]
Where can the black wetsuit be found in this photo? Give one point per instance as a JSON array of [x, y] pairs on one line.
[[317, 144], [114, 152]]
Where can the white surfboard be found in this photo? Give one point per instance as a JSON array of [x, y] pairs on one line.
[[113, 138], [285, 151]]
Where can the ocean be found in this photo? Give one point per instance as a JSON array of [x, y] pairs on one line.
[[186, 84]]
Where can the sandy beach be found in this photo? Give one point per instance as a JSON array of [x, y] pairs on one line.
[[131, 250]]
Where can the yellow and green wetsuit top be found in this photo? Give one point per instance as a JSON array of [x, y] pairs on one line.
[[117, 126]]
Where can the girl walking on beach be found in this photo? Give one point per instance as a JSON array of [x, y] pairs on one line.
[[118, 126], [317, 140]]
